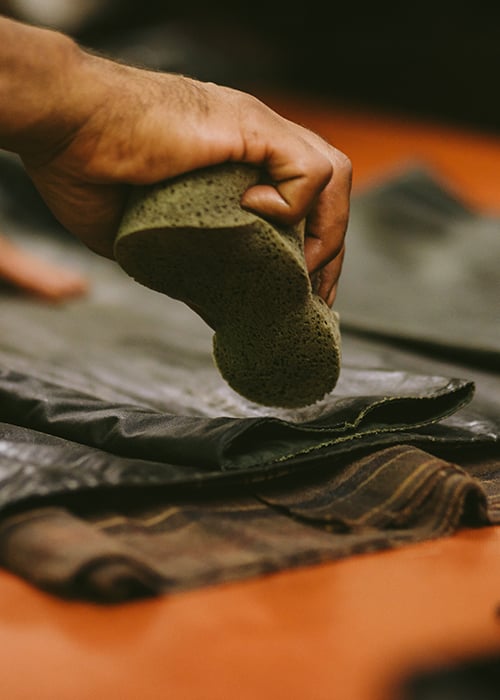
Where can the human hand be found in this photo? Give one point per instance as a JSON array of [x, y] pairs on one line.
[[118, 126]]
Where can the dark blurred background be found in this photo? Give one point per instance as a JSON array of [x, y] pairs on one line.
[[432, 60]]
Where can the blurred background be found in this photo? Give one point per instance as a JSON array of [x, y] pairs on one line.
[[431, 60]]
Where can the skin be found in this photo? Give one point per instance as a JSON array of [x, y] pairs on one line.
[[42, 278], [88, 128]]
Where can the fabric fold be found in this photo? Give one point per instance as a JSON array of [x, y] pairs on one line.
[[62, 554], [394, 489], [225, 443]]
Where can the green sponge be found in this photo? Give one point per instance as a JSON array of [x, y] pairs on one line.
[[276, 343]]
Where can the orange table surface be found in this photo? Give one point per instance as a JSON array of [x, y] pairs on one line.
[[348, 630]]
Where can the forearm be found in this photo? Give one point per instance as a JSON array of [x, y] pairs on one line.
[[35, 87]]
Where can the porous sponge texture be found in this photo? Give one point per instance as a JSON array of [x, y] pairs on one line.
[[276, 343]]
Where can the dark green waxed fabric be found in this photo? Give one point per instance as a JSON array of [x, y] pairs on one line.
[[127, 374], [113, 373]]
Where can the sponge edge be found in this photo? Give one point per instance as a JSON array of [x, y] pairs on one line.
[[276, 343]]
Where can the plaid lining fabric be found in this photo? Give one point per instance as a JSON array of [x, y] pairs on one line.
[[151, 545]]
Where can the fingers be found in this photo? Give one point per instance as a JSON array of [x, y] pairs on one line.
[[329, 278], [309, 179], [327, 221], [297, 175], [37, 276]]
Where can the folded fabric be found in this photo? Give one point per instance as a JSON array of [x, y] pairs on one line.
[[121, 545], [228, 443]]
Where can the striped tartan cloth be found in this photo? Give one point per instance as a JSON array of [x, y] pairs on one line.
[[126, 546]]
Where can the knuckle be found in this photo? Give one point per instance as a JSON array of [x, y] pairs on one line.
[[325, 171], [344, 164]]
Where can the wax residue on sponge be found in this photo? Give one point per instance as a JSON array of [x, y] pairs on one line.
[[276, 343]]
